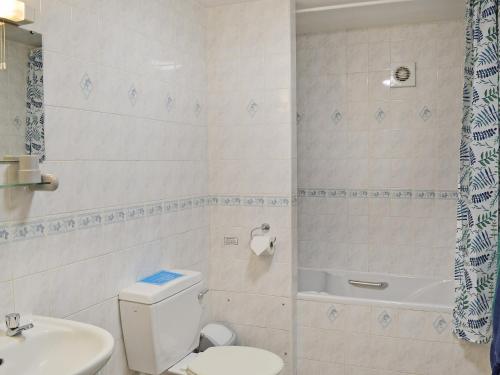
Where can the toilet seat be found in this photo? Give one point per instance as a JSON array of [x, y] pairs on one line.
[[231, 360]]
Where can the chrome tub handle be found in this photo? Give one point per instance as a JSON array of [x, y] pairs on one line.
[[369, 284], [202, 294]]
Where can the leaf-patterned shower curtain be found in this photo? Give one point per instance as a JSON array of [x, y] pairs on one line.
[[35, 117], [477, 211]]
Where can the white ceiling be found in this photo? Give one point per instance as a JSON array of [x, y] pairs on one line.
[[372, 13], [354, 14]]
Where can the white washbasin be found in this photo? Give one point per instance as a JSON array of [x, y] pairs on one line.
[[55, 347]]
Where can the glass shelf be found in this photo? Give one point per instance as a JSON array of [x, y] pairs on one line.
[[16, 184], [49, 183], [9, 161]]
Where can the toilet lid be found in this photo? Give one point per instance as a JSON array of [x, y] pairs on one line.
[[230, 360]]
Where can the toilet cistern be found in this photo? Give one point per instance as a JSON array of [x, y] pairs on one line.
[[161, 318], [12, 322]]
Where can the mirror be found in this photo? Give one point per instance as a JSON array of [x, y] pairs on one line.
[[21, 92]]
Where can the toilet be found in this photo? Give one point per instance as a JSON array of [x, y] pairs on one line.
[[161, 321]]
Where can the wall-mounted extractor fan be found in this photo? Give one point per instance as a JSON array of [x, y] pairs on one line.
[[403, 75]]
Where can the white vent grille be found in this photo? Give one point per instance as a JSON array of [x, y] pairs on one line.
[[403, 75]]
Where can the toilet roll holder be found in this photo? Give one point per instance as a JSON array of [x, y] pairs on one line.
[[264, 229]]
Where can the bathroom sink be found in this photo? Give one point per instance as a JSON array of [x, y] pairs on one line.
[[55, 347]]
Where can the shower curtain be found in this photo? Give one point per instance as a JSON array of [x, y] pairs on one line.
[[35, 117], [477, 211]]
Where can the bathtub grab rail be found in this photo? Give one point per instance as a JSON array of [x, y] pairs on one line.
[[369, 284]]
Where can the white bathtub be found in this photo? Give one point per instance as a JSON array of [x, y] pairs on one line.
[[404, 328], [416, 293]]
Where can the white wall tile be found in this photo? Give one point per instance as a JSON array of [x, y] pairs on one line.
[[250, 117], [380, 140], [109, 152], [7, 298]]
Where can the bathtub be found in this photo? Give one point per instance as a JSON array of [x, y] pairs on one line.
[[417, 293], [380, 323]]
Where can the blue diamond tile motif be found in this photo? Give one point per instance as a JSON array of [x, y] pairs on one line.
[[169, 103], [425, 114], [384, 319], [332, 313], [132, 95], [86, 85], [252, 108], [380, 115], [17, 122], [440, 324], [197, 109], [336, 117]]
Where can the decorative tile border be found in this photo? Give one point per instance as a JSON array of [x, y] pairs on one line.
[[26, 231], [61, 225], [115, 216], [251, 201], [65, 223], [4, 234], [89, 220], [85, 220], [382, 194]]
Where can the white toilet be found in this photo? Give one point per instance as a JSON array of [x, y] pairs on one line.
[[161, 319]]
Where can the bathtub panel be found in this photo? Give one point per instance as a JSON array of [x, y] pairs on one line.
[[471, 359], [321, 345], [350, 318], [361, 340], [439, 356], [426, 325]]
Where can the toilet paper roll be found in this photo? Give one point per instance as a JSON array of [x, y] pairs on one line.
[[29, 176], [260, 245]]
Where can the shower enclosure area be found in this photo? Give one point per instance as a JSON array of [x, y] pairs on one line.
[[377, 189]]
